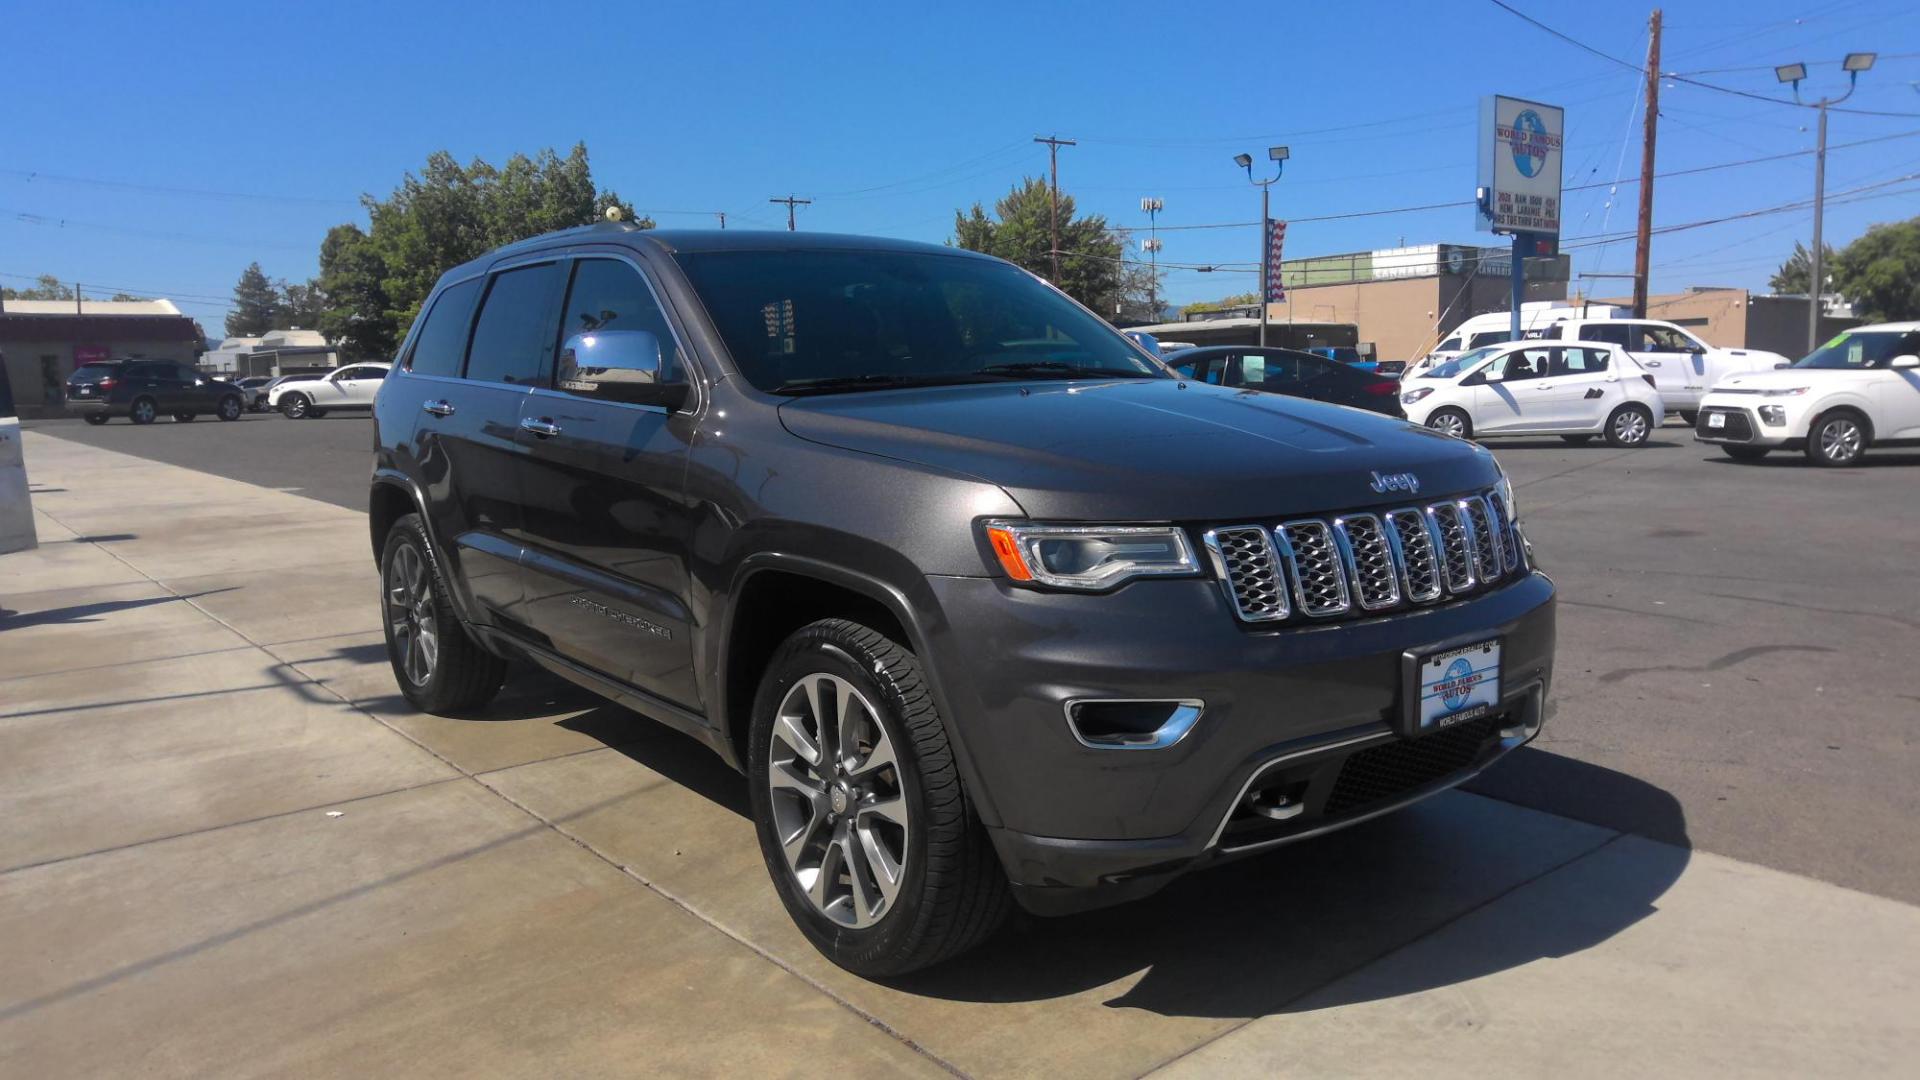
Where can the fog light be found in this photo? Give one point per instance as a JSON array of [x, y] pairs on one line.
[[1773, 415], [1127, 724]]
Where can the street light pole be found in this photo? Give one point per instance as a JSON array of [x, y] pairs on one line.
[[1277, 155], [1853, 65]]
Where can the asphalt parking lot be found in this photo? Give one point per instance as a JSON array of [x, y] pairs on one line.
[[1736, 641]]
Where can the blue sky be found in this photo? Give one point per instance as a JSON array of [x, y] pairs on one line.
[[164, 147]]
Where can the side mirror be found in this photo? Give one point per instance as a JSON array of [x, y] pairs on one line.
[[1478, 378], [1906, 362], [618, 365]]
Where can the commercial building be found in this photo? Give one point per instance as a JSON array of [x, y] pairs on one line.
[[44, 340], [277, 352]]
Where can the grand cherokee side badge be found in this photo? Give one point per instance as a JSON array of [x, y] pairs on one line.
[[1399, 481], [622, 617]]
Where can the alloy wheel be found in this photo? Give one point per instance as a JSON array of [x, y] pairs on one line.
[[1630, 427], [839, 807], [1840, 439], [143, 412], [416, 635], [1448, 424]]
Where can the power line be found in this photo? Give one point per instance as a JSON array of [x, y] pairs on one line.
[[35, 176], [791, 203]]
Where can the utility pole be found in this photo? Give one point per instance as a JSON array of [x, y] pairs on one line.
[[76, 290], [1153, 208], [791, 203], [1642, 250], [1054, 144], [722, 215]]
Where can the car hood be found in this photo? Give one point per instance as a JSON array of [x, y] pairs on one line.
[[1788, 378], [1146, 450]]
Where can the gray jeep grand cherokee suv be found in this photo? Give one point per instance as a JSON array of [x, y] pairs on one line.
[[987, 604]]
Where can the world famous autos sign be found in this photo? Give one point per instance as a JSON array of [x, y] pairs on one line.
[[1521, 154]]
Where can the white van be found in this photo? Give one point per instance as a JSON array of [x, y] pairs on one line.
[[1496, 328], [1683, 367]]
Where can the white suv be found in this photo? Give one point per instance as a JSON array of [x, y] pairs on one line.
[[1860, 389], [1573, 389], [350, 387]]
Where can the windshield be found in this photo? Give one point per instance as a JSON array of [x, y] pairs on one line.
[[87, 373], [834, 321], [1459, 364], [1857, 351]]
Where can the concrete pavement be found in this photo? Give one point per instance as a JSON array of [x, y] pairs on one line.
[[233, 849]]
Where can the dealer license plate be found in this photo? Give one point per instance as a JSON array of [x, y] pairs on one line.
[[1459, 685], [1716, 419]]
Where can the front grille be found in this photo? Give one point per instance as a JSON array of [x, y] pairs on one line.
[[1366, 562], [1381, 773], [1739, 427]]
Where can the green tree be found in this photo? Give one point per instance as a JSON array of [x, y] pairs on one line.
[[299, 306], [255, 302], [1793, 275], [48, 287], [1246, 299], [1880, 272], [1091, 262], [373, 281]]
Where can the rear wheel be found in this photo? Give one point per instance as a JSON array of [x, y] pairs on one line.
[[144, 411], [1451, 422], [96, 419], [1629, 425], [871, 841], [295, 407], [439, 667], [1837, 440], [229, 408], [1746, 453]]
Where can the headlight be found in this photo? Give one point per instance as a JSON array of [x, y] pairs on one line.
[[1792, 391], [1412, 396], [1089, 556]]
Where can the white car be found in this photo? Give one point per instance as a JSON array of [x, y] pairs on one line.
[[1573, 389], [1860, 389], [350, 387]]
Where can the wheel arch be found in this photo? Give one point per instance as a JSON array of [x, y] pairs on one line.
[[1843, 405]]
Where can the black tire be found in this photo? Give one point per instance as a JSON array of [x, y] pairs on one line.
[[1439, 421], [460, 676], [184, 417], [1838, 439], [953, 893], [1578, 440], [230, 408], [1746, 453], [1623, 431], [144, 410], [96, 419], [295, 407], [1689, 416]]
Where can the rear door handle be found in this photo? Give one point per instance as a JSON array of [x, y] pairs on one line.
[[439, 407], [545, 429], [1652, 363]]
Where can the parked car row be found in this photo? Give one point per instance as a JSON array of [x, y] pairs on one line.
[[145, 390]]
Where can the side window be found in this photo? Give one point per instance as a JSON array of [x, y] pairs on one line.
[[1577, 362], [513, 338], [373, 373], [442, 341], [1611, 333], [608, 294], [1667, 339], [1521, 365]]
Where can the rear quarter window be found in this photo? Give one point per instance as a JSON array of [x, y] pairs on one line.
[[441, 345]]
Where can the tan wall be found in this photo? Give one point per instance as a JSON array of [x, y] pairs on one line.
[[1400, 315], [1716, 316], [31, 390]]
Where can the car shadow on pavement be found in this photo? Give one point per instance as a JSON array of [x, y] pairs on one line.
[[94, 612], [1794, 459]]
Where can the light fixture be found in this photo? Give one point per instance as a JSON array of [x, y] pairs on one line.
[[1858, 61], [1245, 161], [1792, 73], [1279, 153]]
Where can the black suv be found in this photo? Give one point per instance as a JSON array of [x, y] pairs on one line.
[[986, 602], [143, 390]]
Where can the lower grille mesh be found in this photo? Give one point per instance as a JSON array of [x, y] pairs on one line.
[[1380, 773]]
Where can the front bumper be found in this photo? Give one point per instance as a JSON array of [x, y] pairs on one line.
[[1306, 708], [1743, 425]]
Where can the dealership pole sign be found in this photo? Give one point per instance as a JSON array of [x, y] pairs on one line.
[[1522, 149], [1276, 238]]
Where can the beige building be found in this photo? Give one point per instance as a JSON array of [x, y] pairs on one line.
[[44, 340], [1737, 319]]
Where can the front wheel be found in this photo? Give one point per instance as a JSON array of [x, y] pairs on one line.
[[439, 667], [296, 407], [1836, 440], [1451, 422], [1745, 453], [96, 419], [869, 836], [1630, 425], [229, 409]]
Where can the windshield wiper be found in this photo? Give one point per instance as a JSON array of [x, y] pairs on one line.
[[1064, 370], [833, 384]]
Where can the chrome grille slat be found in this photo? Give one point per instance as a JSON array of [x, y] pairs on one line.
[[1369, 558], [1319, 581], [1419, 572], [1249, 570], [1368, 562]]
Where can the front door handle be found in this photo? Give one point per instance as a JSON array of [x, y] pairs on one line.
[[545, 429], [439, 407], [1651, 363]]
